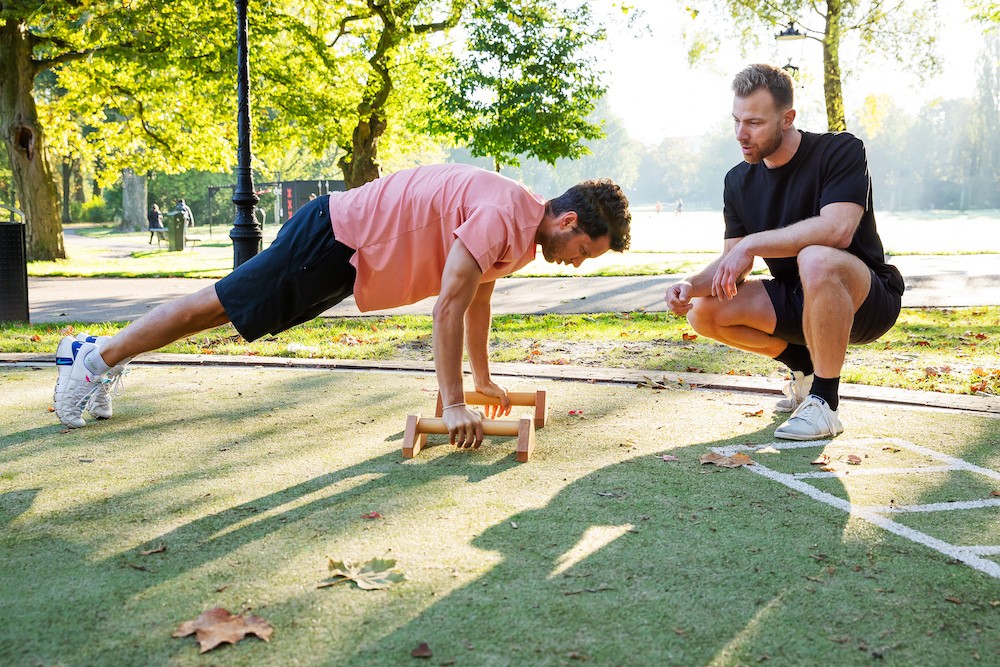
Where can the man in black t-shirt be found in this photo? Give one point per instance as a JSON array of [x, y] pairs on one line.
[[803, 203]]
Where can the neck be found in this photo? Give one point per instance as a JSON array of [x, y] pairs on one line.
[[790, 140]]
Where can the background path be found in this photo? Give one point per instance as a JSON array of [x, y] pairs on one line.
[[932, 280]]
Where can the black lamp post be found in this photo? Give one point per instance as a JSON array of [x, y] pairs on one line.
[[246, 234]]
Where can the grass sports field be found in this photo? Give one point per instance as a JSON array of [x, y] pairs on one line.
[[613, 546]]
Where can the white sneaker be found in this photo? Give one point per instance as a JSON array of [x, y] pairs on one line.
[[74, 391], [795, 392], [65, 353], [812, 420], [100, 402]]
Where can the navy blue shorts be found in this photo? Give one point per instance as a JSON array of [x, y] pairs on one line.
[[875, 316], [302, 273]]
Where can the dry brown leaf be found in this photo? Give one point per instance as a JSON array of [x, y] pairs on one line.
[[687, 336], [995, 494], [218, 626], [853, 459], [953, 599], [422, 651], [734, 461], [758, 413], [158, 550], [821, 460]]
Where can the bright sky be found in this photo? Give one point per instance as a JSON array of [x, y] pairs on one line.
[[653, 89]]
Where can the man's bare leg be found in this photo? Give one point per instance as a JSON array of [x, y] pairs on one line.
[[745, 322], [834, 285], [165, 324]]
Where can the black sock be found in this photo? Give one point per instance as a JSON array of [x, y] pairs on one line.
[[797, 358], [828, 389]]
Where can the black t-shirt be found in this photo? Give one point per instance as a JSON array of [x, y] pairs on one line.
[[826, 168]]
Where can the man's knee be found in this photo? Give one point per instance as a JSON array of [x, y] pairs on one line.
[[704, 316], [823, 267]]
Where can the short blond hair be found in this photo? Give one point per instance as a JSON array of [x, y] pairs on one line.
[[775, 80]]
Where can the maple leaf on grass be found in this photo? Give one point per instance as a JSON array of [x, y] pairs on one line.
[[218, 626], [372, 575]]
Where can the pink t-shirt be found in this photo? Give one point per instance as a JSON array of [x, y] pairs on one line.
[[403, 225]]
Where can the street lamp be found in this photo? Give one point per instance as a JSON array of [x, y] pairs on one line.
[[790, 34], [246, 233]]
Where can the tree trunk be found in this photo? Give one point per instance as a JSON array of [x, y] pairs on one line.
[[25, 142], [359, 165], [133, 202], [832, 88]]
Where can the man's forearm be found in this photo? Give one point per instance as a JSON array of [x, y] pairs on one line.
[[448, 337], [477, 341]]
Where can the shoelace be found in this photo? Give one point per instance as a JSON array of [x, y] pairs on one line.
[[114, 385], [813, 406]]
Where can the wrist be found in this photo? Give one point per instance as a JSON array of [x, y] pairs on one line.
[[453, 405]]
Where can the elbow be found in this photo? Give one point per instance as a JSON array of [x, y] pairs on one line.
[[842, 240]]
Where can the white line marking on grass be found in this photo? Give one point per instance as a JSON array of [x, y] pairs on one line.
[[856, 472], [970, 555], [945, 507]]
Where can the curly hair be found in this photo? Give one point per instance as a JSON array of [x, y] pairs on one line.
[[601, 209], [775, 80]]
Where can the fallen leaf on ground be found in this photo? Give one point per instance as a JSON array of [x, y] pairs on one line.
[[853, 459], [995, 494], [158, 550], [687, 336], [770, 449], [36, 338], [218, 626], [821, 460], [758, 413], [953, 599], [891, 450], [734, 461], [375, 574], [650, 383], [669, 457], [371, 515], [422, 651]]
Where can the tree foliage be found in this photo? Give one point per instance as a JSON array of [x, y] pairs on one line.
[[524, 85], [902, 30]]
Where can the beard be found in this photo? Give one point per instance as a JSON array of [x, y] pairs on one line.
[[770, 145]]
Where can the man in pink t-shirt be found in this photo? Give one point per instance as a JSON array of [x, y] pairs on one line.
[[449, 230]]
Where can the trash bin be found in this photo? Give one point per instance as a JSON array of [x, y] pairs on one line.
[[13, 273], [178, 230]]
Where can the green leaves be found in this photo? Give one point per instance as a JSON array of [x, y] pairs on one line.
[[375, 574], [525, 85]]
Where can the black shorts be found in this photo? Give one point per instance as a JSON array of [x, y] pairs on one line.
[[302, 273], [875, 316]]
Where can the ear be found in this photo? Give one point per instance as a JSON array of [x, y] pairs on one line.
[[568, 220], [788, 119]]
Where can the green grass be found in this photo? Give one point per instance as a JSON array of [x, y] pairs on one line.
[[595, 552], [947, 350]]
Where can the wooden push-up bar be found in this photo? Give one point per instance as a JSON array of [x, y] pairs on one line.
[[418, 428], [535, 399]]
